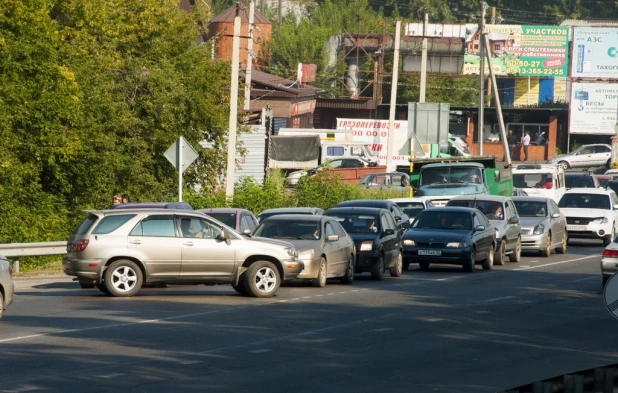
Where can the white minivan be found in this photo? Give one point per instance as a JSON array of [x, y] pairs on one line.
[[540, 180]]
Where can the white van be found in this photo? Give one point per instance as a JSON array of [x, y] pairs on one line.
[[344, 149], [540, 180]]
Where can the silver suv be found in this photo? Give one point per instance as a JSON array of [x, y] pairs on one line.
[[119, 251], [6, 284]]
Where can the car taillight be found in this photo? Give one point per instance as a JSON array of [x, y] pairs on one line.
[[10, 270], [80, 245], [610, 253]]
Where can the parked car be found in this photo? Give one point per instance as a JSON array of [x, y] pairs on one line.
[[241, 220], [401, 218], [502, 214], [322, 244], [351, 162], [119, 250], [385, 181], [612, 185], [543, 225], [289, 210], [6, 284], [590, 213], [584, 157], [412, 206], [450, 235], [580, 180], [612, 172], [609, 261], [603, 179], [376, 238], [153, 205]]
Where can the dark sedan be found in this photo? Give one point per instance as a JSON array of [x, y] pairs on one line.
[[401, 218], [375, 235], [450, 235]]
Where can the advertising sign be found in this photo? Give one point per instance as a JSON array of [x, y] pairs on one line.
[[595, 53], [519, 50], [375, 133], [593, 108]]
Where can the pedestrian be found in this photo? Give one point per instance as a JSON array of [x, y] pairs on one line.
[[526, 143], [116, 200], [125, 198], [512, 141]]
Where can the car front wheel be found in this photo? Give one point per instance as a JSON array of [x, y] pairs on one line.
[[1, 305], [489, 262], [397, 269], [563, 245], [320, 280], [501, 253], [515, 256], [471, 262], [349, 273], [377, 273], [123, 278], [262, 279]]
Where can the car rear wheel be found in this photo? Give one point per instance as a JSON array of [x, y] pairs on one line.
[[1, 305], [349, 273], [262, 279], [86, 284], [515, 256], [563, 245], [501, 253], [377, 273], [471, 262], [564, 165], [320, 280], [489, 262], [397, 269], [123, 278], [547, 250]]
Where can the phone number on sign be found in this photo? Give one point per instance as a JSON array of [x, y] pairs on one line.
[[535, 71]]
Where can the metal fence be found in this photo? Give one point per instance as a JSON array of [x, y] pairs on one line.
[[14, 251]]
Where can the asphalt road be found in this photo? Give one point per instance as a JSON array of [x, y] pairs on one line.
[[440, 330]]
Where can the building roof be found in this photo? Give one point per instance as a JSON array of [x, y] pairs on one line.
[[277, 83], [229, 14]]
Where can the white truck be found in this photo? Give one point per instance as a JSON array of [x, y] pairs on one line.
[[540, 180]]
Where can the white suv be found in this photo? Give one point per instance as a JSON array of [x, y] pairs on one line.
[[590, 213]]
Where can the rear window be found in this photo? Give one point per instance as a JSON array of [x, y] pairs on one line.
[[579, 181], [85, 226], [110, 223]]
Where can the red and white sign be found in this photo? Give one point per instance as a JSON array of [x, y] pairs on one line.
[[298, 108], [375, 133], [306, 72]]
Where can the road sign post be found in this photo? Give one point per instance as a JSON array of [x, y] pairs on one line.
[[181, 154]]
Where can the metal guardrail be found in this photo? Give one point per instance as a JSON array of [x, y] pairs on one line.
[[15, 250]]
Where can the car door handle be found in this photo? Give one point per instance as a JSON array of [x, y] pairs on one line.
[[190, 244], [135, 242]]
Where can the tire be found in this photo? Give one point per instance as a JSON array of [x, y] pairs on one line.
[[377, 272], [423, 265], [320, 280], [500, 256], [565, 165], [349, 273], [86, 284], [471, 262], [547, 250], [406, 265], [605, 278], [515, 256], [398, 268], [123, 278], [489, 262], [563, 245], [240, 287], [102, 288], [1, 305], [262, 279]]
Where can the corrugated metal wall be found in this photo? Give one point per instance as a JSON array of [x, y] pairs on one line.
[[252, 164]]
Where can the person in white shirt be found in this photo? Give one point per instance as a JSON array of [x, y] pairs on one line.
[[493, 137], [526, 142]]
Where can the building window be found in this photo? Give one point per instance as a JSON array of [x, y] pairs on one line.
[[497, 47], [476, 46]]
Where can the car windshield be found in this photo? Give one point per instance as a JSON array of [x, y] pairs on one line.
[[578, 181], [411, 208], [491, 210], [357, 223], [433, 176], [228, 219], [531, 209], [287, 229], [430, 219], [585, 201], [532, 180]]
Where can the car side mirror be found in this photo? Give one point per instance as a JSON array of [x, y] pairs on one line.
[[247, 232], [388, 232], [555, 215], [496, 176], [397, 218], [479, 228], [513, 220], [224, 235], [332, 238]]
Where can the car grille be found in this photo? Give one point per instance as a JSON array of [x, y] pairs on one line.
[[579, 220], [430, 244]]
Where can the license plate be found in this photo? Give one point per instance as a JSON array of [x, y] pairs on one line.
[[576, 227], [429, 252]]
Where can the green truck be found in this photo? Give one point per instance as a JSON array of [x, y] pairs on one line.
[[440, 179]]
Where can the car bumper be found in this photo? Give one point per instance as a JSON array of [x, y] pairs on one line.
[[591, 231], [83, 268], [609, 266], [9, 289], [311, 267], [292, 268], [451, 256], [534, 242], [366, 260]]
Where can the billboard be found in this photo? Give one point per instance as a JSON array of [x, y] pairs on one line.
[[595, 53], [520, 50], [594, 108], [375, 133]]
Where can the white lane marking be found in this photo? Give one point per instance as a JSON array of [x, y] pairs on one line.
[[559, 263], [525, 266], [187, 362], [431, 319], [261, 350], [22, 389], [323, 340], [496, 299], [309, 297], [285, 300], [383, 330], [108, 376], [533, 261], [587, 278], [323, 295]]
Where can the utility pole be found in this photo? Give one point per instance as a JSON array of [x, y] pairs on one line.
[[231, 143], [489, 81], [247, 104], [421, 97], [481, 119], [493, 15], [391, 117], [492, 75]]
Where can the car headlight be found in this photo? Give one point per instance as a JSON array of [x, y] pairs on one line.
[[291, 252], [367, 245], [409, 242], [456, 244], [601, 220], [539, 229], [307, 254]]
